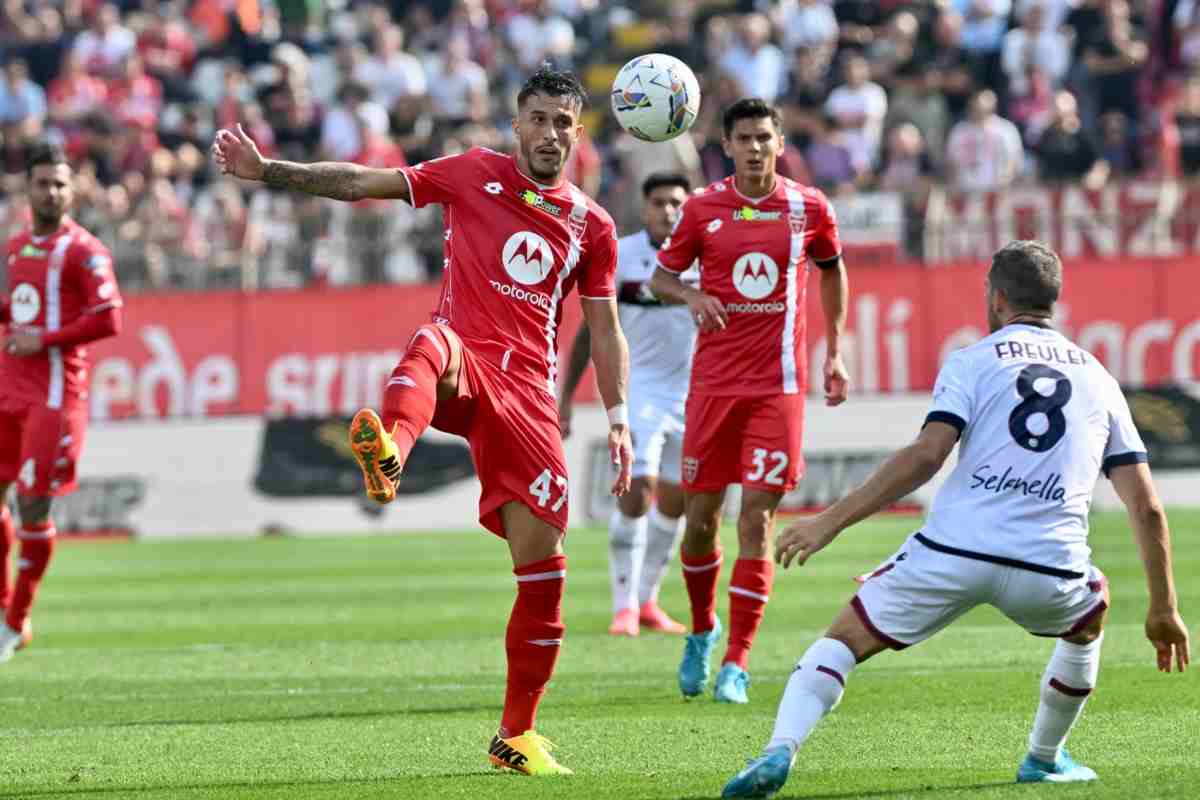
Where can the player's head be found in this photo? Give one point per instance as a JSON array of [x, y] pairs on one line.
[[51, 188], [662, 195], [547, 122], [753, 137], [1024, 281]]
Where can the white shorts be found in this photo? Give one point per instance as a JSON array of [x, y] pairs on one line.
[[656, 425], [919, 591]]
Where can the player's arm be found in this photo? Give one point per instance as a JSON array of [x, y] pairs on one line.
[[1164, 627], [902, 474], [576, 366], [706, 310], [835, 296], [610, 354], [236, 154]]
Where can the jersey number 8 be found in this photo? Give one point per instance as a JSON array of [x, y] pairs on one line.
[[1034, 402]]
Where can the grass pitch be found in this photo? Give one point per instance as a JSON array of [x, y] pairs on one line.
[[373, 667]]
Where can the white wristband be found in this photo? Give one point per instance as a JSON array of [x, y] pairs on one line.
[[619, 415]]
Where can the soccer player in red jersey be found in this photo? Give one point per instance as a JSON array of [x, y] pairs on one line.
[[518, 239], [62, 294], [754, 234]]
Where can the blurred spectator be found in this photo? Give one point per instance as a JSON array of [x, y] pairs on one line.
[[857, 22], [1187, 120], [830, 159], [43, 50], [1186, 22], [891, 53], [1032, 110], [168, 51], [1114, 62], [392, 74], [909, 171], [1032, 46], [537, 34], [1065, 151], [984, 25], [469, 20], [135, 98], [458, 87], [22, 102], [950, 64], [754, 62], [1118, 148], [859, 106], [919, 101], [807, 26], [341, 130], [984, 152], [106, 43], [75, 93], [369, 227]]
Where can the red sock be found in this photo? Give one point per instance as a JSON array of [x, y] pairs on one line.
[[8, 535], [37, 545], [535, 631], [411, 394], [749, 590], [701, 574]]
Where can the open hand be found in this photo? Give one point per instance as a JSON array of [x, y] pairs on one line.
[[1169, 635], [803, 538], [237, 155]]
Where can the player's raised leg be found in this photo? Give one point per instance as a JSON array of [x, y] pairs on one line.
[[813, 690], [37, 537], [663, 531], [535, 632], [700, 555], [1065, 687], [428, 371], [749, 591]]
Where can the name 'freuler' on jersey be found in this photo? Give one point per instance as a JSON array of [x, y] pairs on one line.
[[753, 254], [1039, 419]]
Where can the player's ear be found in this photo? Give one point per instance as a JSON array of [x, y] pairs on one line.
[[725, 147]]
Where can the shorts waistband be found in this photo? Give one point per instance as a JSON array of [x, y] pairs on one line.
[[992, 559]]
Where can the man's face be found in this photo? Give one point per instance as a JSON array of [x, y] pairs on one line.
[[661, 210], [754, 145], [547, 127], [50, 191]]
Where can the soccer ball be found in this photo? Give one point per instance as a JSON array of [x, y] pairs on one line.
[[656, 97]]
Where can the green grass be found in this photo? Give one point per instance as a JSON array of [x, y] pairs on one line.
[[373, 667]]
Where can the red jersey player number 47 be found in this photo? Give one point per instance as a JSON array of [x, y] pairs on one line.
[[62, 295]]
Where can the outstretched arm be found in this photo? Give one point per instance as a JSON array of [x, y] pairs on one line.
[[906, 471], [1164, 627], [576, 366], [237, 155], [610, 354]]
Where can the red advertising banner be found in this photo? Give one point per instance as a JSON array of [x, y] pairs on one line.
[[316, 353]]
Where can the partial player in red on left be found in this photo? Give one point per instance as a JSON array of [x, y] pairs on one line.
[[61, 295]]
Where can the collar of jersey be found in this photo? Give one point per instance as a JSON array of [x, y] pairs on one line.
[[755, 200], [40, 239], [541, 186]]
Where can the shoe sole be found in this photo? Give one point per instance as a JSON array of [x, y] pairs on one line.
[[366, 442], [500, 763]]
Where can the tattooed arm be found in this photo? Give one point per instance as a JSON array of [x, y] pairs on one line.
[[236, 154]]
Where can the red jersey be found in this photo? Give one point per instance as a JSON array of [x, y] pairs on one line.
[[514, 249], [753, 254], [53, 281]]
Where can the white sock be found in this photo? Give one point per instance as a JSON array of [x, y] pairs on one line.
[[626, 544], [1068, 680], [662, 540], [813, 690]]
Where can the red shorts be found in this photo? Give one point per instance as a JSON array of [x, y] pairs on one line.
[[39, 448], [754, 441], [513, 430]]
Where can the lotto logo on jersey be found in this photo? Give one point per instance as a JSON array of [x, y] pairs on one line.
[[527, 258], [26, 304], [755, 275]]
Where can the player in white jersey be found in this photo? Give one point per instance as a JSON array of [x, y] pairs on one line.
[[1039, 420], [645, 527]]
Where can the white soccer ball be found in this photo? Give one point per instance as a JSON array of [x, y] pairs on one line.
[[656, 97]]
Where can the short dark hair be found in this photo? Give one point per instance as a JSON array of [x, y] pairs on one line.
[[555, 83], [43, 153], [751, 108], [1030, 275], [657, 180]]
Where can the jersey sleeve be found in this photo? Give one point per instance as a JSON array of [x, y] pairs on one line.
[[953, 395], [439, 179], [598, 280], [682, 247], [1124, 444], [825, 245], [91, 268]]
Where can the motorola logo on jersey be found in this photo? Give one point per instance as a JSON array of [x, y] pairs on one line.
[[26, 303], [527, 257], [537, 299], [755, 275]]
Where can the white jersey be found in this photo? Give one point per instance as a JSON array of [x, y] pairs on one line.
[[661, 337], [1039, 420]]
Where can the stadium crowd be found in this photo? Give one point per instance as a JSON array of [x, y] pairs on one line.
[[878, 95]]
